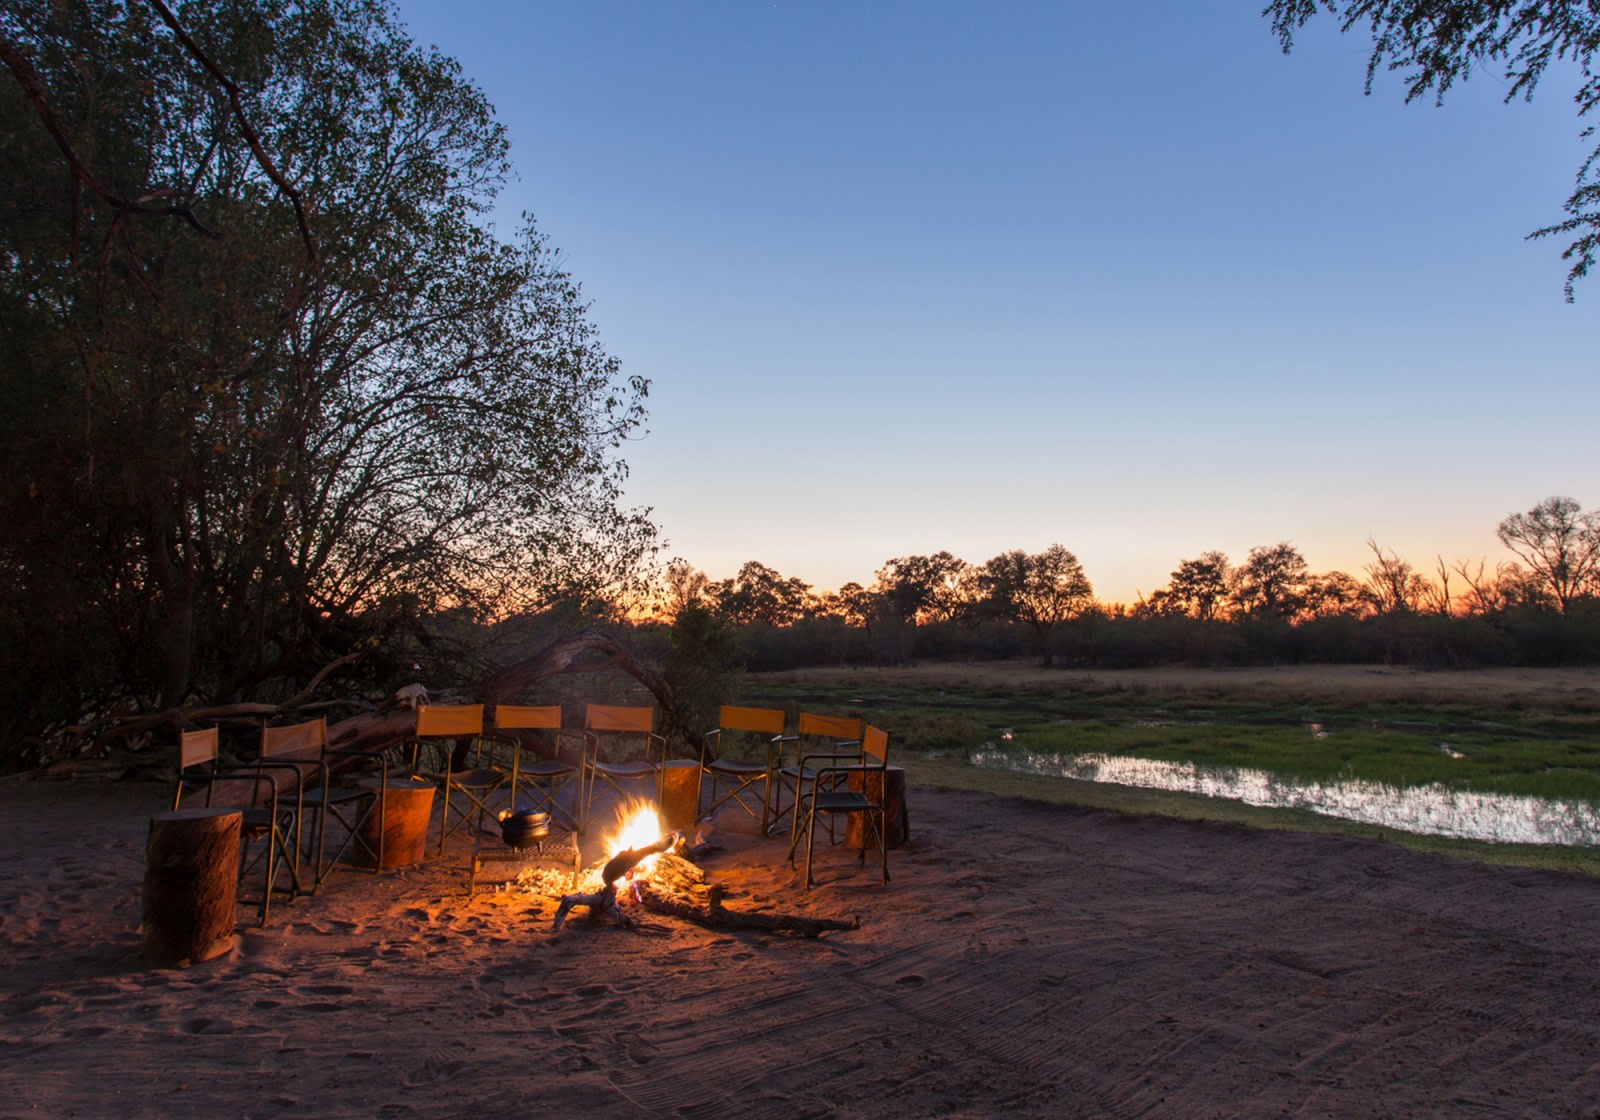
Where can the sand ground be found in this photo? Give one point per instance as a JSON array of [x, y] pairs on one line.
[[1027, 960]]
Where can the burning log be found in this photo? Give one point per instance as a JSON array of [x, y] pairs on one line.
[[656, 876], [677, 888], [603, 902]]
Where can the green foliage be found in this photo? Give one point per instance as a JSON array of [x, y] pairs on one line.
[[1548, 748], [228, 461], [1398, 753], [702, 668]]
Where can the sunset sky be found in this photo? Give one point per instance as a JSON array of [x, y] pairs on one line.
[[1117, 274]]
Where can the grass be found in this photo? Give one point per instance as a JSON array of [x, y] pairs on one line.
[[1516, 732]]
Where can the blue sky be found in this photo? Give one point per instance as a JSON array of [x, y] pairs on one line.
[[1115, 274]]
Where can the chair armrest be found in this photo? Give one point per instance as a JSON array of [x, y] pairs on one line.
[[382, 757], [826, 758], [845, 770], [294, 767], [250, 772], [705, 745]]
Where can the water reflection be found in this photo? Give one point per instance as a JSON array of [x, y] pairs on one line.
[[1432, 810]]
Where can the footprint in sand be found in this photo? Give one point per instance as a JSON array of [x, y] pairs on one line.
[[207, 1026], [324, 990], [436, 1067]]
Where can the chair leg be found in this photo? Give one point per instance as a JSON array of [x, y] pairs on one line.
[[883, 841], [444, 815], [794, 831], [811, 837]]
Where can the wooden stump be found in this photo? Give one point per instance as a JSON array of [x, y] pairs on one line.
[[858, 833], [680, 794], [407, 807], [191, 881]]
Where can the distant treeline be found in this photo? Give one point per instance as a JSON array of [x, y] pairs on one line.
[[1541, 608], [1099, 638]]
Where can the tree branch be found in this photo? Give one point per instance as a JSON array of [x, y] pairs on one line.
[[28, 78], [250, 135]]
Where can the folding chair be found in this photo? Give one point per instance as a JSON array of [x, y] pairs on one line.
[[274, 824], [197, 761], [841, 735], [832, 796], [739, 775], [353, 798], [438, 726], [297, 749], [541, 777], [305, 746], [624, 724]]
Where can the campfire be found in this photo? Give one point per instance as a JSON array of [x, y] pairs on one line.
[[633, 852], [641, 835], [647, 866]]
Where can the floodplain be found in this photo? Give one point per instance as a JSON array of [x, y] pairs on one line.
[[1468, 738]]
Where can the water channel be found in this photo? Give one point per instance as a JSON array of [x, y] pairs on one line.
[[1430, 810]]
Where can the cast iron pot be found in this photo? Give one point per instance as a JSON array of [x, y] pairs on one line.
[[523, 830]]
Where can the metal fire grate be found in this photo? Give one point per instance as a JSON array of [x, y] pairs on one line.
[[559, 848]]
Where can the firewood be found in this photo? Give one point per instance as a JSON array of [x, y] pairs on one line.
[[677, 888]]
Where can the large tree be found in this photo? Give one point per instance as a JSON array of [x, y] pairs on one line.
[[317, 394], [760, 594], [1436, 43], [1393, 586], [1199, 586], [923, 588], [1040, 590], [1271, 582], [1561, 544]]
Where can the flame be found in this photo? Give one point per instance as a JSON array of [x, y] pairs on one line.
[[640, 826]]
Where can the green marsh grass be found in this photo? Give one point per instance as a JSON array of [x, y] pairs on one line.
[[1531, 740]]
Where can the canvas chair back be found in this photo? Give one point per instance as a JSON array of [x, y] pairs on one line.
[[298, 741], [830, 727], [875, 743], [608, 717], [197, 748], [517, 717], [449, 720], [766, 721]]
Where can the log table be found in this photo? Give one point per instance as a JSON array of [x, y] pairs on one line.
[[401, 829], [680, 793], [869, 780], [191, 880]]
